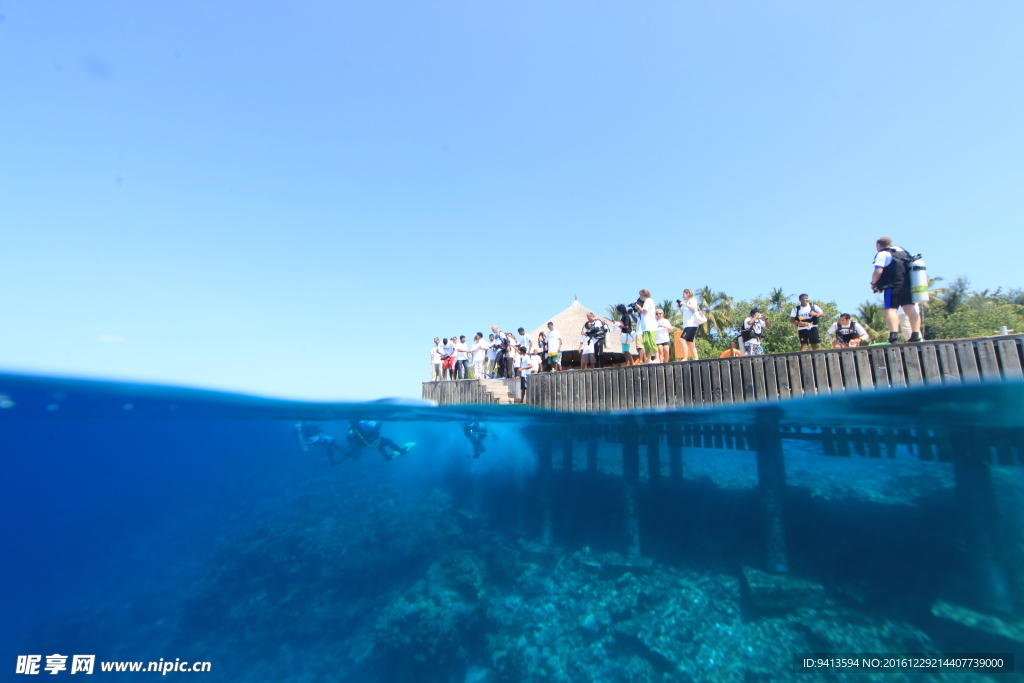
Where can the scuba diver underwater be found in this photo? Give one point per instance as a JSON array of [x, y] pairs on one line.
[[361, 434], [476, 433]]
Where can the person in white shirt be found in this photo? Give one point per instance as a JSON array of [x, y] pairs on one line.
[[891, 279], [479, 351], [554, 348], [599, 333], [586, 348], [492, 354], [688, 305], [662, 335], [461, 358], [436, 371], [847, 332], [448, 357], [524, 340], [753, 329], [805, 317], [524, 366], [647, 346]]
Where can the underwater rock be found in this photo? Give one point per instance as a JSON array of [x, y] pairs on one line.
[[778, 592], [1004, 627]]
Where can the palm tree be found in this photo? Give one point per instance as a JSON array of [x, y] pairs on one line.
[[612, 311], [718, 307], [872, 317], [778, 299]]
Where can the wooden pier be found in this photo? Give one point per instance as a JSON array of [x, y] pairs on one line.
[[774, 377]]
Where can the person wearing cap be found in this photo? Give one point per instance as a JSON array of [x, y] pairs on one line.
[[805, 317], [846, 332], [753, 330]]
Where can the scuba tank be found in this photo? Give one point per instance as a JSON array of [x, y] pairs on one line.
[[918, 279]]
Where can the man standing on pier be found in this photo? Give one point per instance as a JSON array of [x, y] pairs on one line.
[[805, 316], [890, 278]]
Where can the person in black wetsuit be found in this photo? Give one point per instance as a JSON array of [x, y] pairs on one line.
[[476, 433], [361, 433]]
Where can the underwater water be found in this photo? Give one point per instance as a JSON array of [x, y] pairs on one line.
[[150, 524]]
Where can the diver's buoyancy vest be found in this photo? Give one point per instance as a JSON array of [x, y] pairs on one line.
[[754, 331], [847, 334], [806, 318], [894, 274]]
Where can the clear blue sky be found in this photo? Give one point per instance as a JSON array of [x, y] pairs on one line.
[[293, 199]]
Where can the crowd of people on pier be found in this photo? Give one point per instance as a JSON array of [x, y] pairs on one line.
[[645, 333]]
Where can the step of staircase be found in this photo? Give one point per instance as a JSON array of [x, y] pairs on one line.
[[499, 389]]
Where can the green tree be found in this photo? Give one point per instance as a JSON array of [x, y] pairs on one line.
[[612, 311], [718, 307], [778, 300], [872, 317]]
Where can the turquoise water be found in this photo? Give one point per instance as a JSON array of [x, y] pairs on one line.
[[146, 522]]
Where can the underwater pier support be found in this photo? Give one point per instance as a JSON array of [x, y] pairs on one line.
[[545, 473], [771, 476], [980, 519], [675, 454], [631, 486]]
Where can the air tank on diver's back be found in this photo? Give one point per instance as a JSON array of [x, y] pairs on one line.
[[918, 280]]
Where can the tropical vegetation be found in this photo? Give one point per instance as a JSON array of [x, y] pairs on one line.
[[955, 312]]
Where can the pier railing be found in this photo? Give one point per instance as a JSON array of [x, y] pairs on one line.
[[724, 381]]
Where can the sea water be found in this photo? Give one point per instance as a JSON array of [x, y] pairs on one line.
[[160, 528]]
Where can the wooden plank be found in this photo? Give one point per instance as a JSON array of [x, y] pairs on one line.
[[1009, 358], [950, 366], [705, 383], [606, 388], [930, 371], [726, 377], [912, 366], [640, 388], [864, 375], [615, 388], [988, 363], [760, 388], [968, 362], [796, 387], [660, 399], [835, 371], [894, 363], [848, 362], [820, 361], [771, 380], [879, 367], [807, 374], [781, 375], [686, 382], [627, 388], [670, 384], [736, 372], [647, 380], [715, 369], [747, 370]]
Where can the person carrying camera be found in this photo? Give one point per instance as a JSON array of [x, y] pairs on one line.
[[598, 332], [753, 330], [644, 308], [627, 333]]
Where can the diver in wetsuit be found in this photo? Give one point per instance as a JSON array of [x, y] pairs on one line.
[[476, 433], [362, 433]]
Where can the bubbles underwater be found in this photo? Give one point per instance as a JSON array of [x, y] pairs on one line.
[[195, 526]]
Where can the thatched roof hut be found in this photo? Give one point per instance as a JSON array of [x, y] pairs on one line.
[[569, 324]]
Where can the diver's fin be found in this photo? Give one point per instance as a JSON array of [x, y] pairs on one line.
[[407, 447], [298, 433]]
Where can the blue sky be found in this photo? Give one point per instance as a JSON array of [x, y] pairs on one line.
[[293, 199]]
